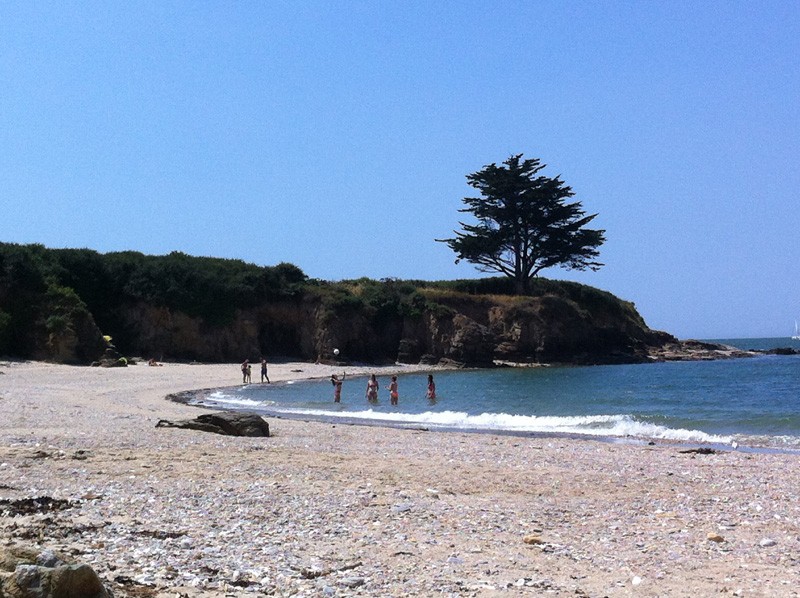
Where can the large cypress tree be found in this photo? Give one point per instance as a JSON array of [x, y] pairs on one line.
[[524, 224]]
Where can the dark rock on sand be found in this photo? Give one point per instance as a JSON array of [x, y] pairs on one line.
[[29, 573], [429, 359], [111, 359], [228, 423], [703, 450]]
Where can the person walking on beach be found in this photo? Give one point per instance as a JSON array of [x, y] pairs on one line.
[[249, 373], [372, 389], [431, 393], [393, 394], [245, 365], [264, 371], [337, 386]]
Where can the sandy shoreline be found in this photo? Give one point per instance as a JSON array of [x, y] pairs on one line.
[[339, 510]]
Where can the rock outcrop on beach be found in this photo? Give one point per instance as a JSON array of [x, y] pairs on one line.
[[228, 423], [30, 573]]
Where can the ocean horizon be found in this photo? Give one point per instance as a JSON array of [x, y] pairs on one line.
[[747, 402]]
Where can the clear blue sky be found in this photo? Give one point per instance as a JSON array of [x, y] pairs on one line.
[[337, 136]]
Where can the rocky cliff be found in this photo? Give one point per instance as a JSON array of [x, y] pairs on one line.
[[476, 330], [59, 304]]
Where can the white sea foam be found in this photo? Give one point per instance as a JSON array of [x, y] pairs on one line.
[[219, 398], [590, 425]]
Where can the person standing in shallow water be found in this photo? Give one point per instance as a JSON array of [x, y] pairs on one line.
[[372, 389], [337, 386], [264, 371], [431, 393], [393, 394]]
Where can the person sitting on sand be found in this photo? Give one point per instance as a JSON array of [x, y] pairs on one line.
[[431, 394], [393, 394], [264, 371], [372, 389], [337, 386]]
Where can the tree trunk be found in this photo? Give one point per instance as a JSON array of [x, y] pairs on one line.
[[522, 285]]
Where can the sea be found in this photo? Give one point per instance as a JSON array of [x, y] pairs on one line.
[[742, 403]]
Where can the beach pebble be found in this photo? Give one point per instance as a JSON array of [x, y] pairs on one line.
[[48, 558], [402, 507], [767, 542], [454, 560], [532, 540], [352, 582], [712, 537]]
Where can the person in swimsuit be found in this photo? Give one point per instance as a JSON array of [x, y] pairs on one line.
[[372, 389], [264, 375], [431, 394], [337, 386], [245, 365], [393, 394]]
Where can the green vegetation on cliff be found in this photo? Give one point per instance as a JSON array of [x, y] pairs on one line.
[[48, 289], [58, 303]]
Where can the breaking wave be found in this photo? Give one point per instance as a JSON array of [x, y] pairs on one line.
[[588, 425]]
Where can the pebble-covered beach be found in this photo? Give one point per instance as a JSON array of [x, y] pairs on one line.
[[322, 509]]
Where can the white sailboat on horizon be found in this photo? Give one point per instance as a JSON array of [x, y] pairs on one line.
[[796, 335]]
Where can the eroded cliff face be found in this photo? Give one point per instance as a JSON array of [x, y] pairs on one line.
[[59, 304], [274, 329], [485, 330], [472, 330]]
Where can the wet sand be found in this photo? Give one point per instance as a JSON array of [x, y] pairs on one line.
[[326, 508]]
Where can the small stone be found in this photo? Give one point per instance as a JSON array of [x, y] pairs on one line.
[[767, 542], [454, 560], [712, 537], [352, 582], [47, 558], [402, 507], [532, 540]]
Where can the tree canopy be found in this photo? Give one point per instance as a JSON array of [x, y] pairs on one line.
[[524, 224]]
